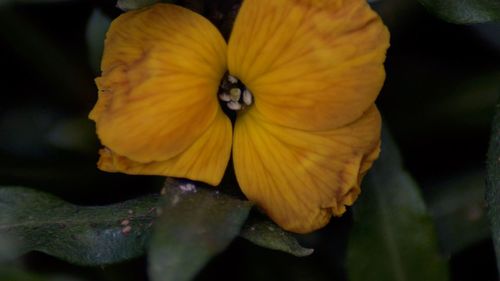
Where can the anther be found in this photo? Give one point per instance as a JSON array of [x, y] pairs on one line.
[[232, 79], [247, 97], [225, 97], [234, 105]]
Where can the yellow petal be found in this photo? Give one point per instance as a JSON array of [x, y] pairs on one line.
[[205, 160], [311, 64], [300, 178], [161, 70]]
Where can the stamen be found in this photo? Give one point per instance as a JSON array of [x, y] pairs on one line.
[[232, 79], [234, 105], [234, 94], [247, 97], [225, 97]]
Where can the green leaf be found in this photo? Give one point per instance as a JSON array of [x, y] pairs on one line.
[[493, 183], [393, 237], [31, 220], [197, 225], [35, 221], [464, 11], [268, 235]]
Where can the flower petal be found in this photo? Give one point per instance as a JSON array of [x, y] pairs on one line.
[[205, 160], [311, 64], [160, 74], [300, 178]]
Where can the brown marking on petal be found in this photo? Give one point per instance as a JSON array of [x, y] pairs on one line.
[[137, 72], [349, 196], [338, 194], [108, 84], [341, 177], [117, 82], [347, 190]]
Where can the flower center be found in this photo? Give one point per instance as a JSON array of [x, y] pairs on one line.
[[234, 94]]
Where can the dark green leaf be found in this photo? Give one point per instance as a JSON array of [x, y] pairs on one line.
[[464, 11], [493, 183], [36, 221], [197, 224], [268, 235], [458, 207], [393, 237]]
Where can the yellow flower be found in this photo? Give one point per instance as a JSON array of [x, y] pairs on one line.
[[309, 131]]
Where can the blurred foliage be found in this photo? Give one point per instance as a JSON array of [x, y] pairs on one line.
[[493, 186], [458, 207], [97, 26], [465, 12], [392, 212], [442, 83]]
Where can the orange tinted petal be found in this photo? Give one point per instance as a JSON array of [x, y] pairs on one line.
[[161, 70], [300, 178], [311, 64], [205, 160]]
